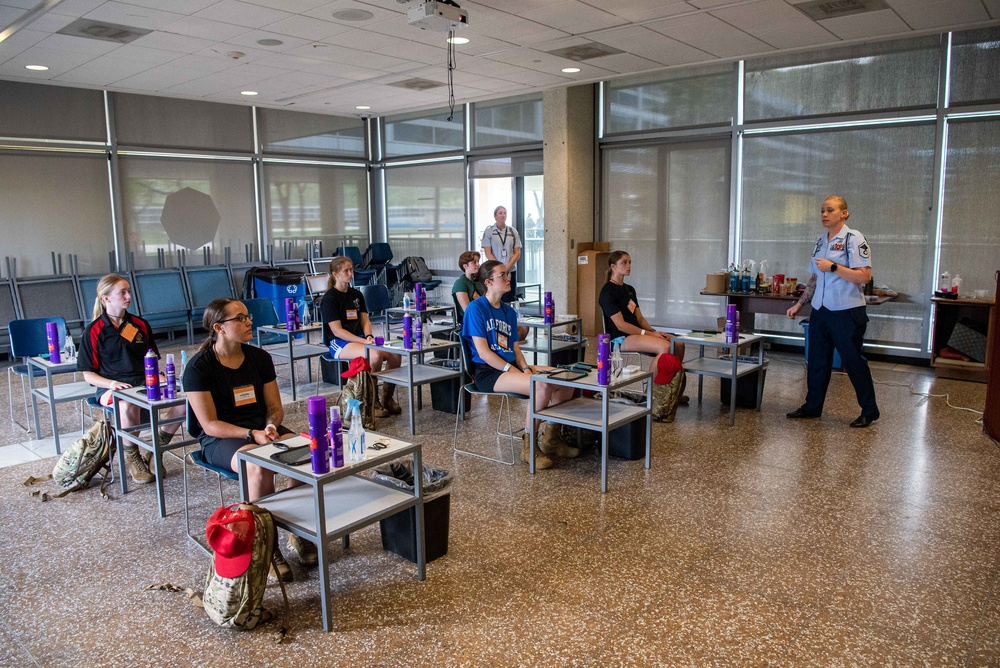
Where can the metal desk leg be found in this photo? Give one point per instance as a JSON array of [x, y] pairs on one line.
[[34, 397], [732, 389], [531, 426], [604, 441], [291, 362], [413, 390], [52, 410], [324, 562], [419, 528], [154, 428], [121, 443]]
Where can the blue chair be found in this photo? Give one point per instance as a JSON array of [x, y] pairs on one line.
[[8, 310], [163, 300], [469, 387], [205, 284], [352, 253], [377, 256], [86, 287], [263, 314], [363, 277], [198, 458], [28, 339], [48, 297], [377, 303]]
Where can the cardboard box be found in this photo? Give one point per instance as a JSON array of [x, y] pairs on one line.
[[591, 275]]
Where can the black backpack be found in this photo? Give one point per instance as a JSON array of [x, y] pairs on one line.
[[415, 270]]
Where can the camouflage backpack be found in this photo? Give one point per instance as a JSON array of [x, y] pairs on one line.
[[238, 602], [87, 456], [360, 386], [666, 395]]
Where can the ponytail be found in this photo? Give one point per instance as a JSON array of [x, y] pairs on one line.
[[613, 259]]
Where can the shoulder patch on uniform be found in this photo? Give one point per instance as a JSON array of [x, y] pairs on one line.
[[865, 251]]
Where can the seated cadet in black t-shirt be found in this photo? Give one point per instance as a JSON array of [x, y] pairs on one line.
[[111, 358], [623, 319], [235, 404], [346, 330]]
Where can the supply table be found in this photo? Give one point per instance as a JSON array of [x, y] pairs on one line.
[[331, 505], [732, 369], [137, 397], [597, 414], [536, 324], [55, 394], [414, 372], [304, 351]]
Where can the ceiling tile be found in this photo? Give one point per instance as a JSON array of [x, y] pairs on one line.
[[9, 14], [18, 42], [51, 22], [203, 65], [776, 23], [418, 52], [365, 40], [288, 61], [307, 27], [178, 6], [296, 6], [57, 62], [146, 55], [708, 33], [168, 41], [326, 13], [617, 64], [252, 38], [950, 13], [872, 24], [92, 47], [225, 50], [571, 13], [76, 8], [19, 4], [131, 15], [651, 45], [104, 71], [644, 10], [160, 78], [216, 31], [242, 14]]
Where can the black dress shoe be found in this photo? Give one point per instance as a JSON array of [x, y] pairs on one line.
[[864, 421], [799, 414]]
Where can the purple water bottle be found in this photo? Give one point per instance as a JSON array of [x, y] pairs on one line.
[[550, 309], [407, 329], [730, 323], [318, 447], [151, 365], [171, 377], [418, 331], [52, 338], [336, 437], [418, 297], [603, 359], [290, 313]]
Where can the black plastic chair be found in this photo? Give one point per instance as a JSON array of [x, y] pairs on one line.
[[377, 303], [352, 253], [205, 284], [377, 256]]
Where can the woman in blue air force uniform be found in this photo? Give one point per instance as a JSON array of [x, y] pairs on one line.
[[840, 266]]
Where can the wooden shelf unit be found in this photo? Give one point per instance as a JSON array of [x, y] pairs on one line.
[[948, 312]]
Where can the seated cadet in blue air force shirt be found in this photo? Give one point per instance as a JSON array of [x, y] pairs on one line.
[[489, 330]]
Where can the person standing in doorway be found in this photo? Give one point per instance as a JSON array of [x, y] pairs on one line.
[[502, 243]]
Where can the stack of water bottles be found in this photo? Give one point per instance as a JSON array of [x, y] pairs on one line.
[[326, 440]]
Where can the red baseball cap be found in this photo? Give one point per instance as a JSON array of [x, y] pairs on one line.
[[666, 366], [358, 364], [230, 532]]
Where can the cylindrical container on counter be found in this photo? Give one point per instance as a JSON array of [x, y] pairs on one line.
[[151, 367], [291, 311], [549, 307], [318, 445], [52, 339], [418, 332], [336, 437], [171, 391], [418, 296], [603, 359], [407, 329]]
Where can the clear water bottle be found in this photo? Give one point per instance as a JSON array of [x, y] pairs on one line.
[[356, 438], [307, 318], [70, 349]]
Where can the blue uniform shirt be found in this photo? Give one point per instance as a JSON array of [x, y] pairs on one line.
[[848, 249], [497, 325]]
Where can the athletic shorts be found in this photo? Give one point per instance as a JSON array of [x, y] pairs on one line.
[[486, 377], [337, 346], [219, 451]]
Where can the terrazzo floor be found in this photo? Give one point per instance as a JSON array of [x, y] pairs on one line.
[[770, 543]]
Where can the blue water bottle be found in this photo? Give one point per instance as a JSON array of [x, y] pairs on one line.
[[734, 279]]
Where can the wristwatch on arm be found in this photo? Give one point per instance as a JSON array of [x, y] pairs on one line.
[[833, 267], [249, 437]]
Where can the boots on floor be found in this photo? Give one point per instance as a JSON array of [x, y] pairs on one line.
[[136, 466], [541, 461], [387, 396], [550, 442]]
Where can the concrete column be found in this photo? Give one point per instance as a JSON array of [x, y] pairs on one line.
[[569, 139]]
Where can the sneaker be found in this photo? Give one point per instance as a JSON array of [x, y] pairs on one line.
[[137, 468], [550, 443], [306, 549], [541, 461], [280, 567]]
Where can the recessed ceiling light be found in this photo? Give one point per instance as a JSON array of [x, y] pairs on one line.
[[36, 68], [571, 70], [458, 40], [270, 42], [248, 92], [362, 107], [353, 15]]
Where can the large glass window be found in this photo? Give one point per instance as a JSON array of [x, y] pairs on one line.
[[668, 207], [870, 77], [309, 203], [425, 211], [682, 98], [297, 133], [51, 112], [172, 203], [147, 121], [415, 134], [886, 175], [970, 238], [975, 61], [55, 202], [509, 121]]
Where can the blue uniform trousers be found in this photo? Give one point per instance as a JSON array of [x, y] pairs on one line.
[[845, 331]]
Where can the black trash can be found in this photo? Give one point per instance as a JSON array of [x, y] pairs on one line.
[[629, 440], [399, 530], [746, 388], [445, 393], [331, 370]]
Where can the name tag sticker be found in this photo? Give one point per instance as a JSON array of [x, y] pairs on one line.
[[244, 395], [502, 341], [352, 314], [129, 332], [631, 306]]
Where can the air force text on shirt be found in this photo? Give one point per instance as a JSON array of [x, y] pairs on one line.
[[503, 331]]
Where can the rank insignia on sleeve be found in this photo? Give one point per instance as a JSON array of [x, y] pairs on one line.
[[865, 251]]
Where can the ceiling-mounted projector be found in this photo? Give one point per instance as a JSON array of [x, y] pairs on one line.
[[437, 16]]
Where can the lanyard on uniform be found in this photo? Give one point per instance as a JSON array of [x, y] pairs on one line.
[[503, 239]]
